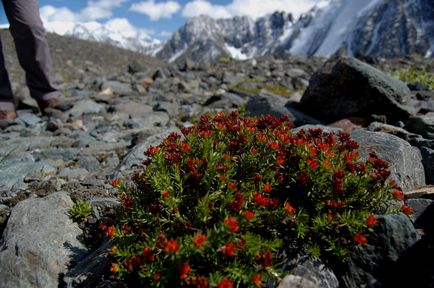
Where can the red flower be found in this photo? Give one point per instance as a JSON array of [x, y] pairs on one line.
[[186, 148], [257, 280], [398, 195], [198, 240], [147, 254], [184, 270], [273, 145], [289, 209], [228, 249], [249, 215], [312, 163], [171, 246], [265, 259], [225, 283], [232, 186], [335, 204], [267, 187], [116, 182], [232, 224], [165, 194], [371, 221], [257, 177], [161, 241], [114, 268], [260, 199], [237, 203], [156, 277], [303, 179], [394, 184], [360, 238], [126, 201], [407, 209], [110, 231], [198, 282], [280, 161], [152, 150], [253, 150]]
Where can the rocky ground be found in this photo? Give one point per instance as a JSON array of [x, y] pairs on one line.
[[124, 102]]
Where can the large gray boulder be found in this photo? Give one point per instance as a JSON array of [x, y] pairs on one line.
[[346, 87], [405, 160], [309, 272], [374, 264], [266, 103], [39, 242], [422, 125]]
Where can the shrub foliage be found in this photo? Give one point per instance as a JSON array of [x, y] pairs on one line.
[[220, 205]]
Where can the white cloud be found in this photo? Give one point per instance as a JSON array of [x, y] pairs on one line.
[[202, 7], [123, 26], [94, 10], [156, 11], [252, 8]]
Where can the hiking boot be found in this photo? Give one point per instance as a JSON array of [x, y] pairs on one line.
[[7, 115], [54, 103]]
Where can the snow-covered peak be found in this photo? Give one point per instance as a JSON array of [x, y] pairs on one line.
[[118, 32]]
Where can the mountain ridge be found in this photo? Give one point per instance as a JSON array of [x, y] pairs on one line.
[[375, 27]]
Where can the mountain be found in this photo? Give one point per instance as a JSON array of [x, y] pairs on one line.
[[117, 34], [380, 28]]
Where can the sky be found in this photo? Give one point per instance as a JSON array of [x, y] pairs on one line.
[[159, 18]]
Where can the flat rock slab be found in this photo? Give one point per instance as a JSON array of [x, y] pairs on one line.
[[405, 160], [39, 242], [346, 87]]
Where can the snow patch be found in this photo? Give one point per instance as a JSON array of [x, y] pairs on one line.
[[177, 55], [236, 53]]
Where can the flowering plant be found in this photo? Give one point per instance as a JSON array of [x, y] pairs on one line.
[[219, 206]]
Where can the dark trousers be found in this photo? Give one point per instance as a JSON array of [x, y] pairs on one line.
[[32, 51]]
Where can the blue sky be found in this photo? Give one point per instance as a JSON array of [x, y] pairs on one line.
[[159, 18]]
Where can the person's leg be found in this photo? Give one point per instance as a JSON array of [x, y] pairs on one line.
[[7, 100], [32, 48]]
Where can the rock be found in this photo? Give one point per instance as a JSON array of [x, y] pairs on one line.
[[428, 164], [168, 107], [117, 87], [28, 119], [104, 206], [424, 192], [326, 129], [39, 242], [347, 87], [90, 163], [390, 129], [89, 270], [136, 156], [266, 103], [373, 265], [294, 281], [422, 125], [419, 207], [5, 211], [232, 78], [14, 170], [132, 108], [225, 101], [309, 272], [148, 120], [85, 107], [348, 124], [405, 161], [300, 117], [73, 173]]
